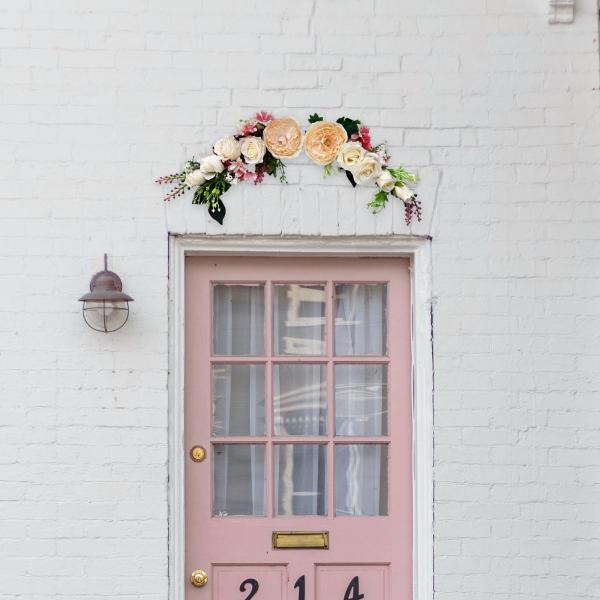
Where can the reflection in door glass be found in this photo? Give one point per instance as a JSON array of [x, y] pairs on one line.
[[299, 319], [238, 320], [360, 319], [361, 399], [238, 400], [299, 399], [300, 479], [361, 479], [238, 479]]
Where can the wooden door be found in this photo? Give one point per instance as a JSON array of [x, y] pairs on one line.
[[298, 388]]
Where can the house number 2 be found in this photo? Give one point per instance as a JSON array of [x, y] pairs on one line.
[[352, 591], [253, 587]]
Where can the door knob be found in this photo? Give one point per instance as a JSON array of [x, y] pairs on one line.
[[198, 453], [199, 578]]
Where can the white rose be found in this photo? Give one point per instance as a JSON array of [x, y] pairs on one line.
[[210, 166], [385, 181], [368, 168], [195, 178], [253, 149], [350, 154], [227, 148], [404, 193]]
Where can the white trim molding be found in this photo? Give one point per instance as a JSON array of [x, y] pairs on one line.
[[418, 249], [561, 11]]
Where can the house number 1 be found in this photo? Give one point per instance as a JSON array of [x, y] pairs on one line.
[[301, 585]]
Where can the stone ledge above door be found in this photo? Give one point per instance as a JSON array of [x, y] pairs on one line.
[[312, 210]]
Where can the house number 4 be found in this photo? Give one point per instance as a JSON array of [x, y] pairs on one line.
[[352, 591]]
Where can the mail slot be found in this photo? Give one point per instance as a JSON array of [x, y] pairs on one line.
[[301, 539]]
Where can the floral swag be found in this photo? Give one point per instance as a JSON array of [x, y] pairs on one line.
[[261, 145]]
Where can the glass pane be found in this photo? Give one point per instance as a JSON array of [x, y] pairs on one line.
[[360, 319], [238, 480], [361, 479], [361, 404], [299, 319], [300, 479], [238, 400], [238, 320], [300, 399]]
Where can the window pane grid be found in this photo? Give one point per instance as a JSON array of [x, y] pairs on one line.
[[307, 467]]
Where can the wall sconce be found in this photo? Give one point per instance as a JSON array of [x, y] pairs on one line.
[[105, 307]]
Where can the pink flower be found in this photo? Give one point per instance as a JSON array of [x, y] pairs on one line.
[[263, 117], [248, 127], [240, 172], [364, 137]]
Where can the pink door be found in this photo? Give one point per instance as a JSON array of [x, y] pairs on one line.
[[298, 387]]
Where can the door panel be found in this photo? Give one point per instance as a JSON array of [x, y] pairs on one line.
[[298, 385], [250, 582], [353, 582]]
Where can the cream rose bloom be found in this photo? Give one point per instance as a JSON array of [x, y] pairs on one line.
[[283, 137], [227, 148], [404, 193], [253, 149], [385, 181], [323, 141], [195, 178], [351, 153], [367, 169], [210, 166]]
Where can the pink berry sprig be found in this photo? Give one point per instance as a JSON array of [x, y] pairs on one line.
[[410, 208], [170, 178], [178, 190]]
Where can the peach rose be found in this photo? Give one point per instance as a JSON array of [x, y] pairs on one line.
[[283, 137], [323, 141]]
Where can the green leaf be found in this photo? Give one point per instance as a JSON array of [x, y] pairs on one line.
[[378, 201], [191, 165], [314, 118], [350, 125], [199, 196], [274, 167], [402, 175], [328, 170]]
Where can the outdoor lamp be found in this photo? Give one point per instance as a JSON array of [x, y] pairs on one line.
[[106, 307]]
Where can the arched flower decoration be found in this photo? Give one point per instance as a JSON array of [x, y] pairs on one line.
[[262, 142]]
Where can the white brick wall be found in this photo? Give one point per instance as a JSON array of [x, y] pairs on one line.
[[499, 113]]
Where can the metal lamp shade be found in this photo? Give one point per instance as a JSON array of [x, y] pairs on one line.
[[106, 306]]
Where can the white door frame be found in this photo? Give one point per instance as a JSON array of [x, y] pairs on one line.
[[418, 249]]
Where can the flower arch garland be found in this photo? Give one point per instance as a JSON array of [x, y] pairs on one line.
[[262, 143]]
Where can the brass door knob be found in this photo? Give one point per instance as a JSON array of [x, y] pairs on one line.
[[199, 578], [198, 453]]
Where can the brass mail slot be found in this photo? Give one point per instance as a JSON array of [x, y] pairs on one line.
[[301, 539]]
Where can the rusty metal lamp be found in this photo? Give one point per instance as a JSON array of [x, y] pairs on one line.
[[105, 306]]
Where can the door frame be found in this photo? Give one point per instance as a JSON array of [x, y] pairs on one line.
[[418, 250]]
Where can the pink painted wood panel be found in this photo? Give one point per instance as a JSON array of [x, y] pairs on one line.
[[377, 549]]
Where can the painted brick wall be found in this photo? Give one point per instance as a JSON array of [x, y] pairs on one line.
[[496, 109]]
